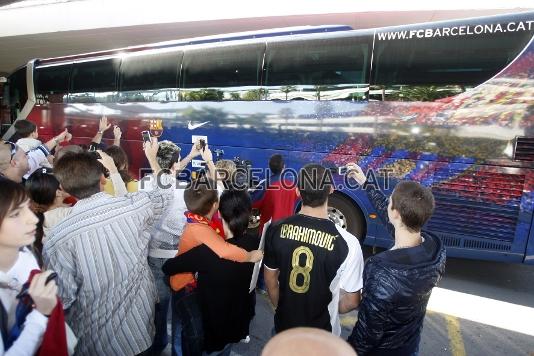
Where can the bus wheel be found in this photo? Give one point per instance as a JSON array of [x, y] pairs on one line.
[[346, 215]]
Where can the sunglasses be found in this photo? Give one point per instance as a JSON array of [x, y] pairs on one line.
[[13, 149]]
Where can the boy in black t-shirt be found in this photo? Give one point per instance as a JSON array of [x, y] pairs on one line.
[[308, 259]]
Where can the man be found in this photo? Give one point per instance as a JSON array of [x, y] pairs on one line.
[[275, 198], [14, 162], [313, 268], [165, 236], [398, 282], [100, 255], [307, 341], [16, 165]]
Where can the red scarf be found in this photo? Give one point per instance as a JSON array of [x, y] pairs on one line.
[[193, 218], [55, 336]]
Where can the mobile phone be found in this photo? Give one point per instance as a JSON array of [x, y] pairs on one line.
[[342, 170], [146, 136], [51, 277], [203, 145]]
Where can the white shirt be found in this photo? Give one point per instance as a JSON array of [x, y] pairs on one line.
[[35, 324], [15, 278], [165, 233], [31, 337]]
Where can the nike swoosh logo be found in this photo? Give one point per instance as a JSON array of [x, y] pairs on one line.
[[190, 126]]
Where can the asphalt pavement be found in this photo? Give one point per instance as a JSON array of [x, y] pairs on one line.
[[479, 308]]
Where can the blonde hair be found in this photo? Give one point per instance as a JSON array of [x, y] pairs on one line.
[[225, 168]]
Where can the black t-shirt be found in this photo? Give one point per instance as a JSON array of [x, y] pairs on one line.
[[315, 259]]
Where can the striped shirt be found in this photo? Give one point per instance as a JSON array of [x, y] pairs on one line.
[[100, 254]]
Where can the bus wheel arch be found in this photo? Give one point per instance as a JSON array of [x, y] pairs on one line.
[[346, 213]]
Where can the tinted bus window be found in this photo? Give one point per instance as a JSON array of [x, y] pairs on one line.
[[18, 92], [318, 69], [222, 73], [94, 81], [152, 77], [52, 83], [428, 68]]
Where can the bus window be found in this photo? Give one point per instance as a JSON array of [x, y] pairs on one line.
[[222, 73], [94, 81], [318, 69], [52, 83], [18, 92], [152, 77], [431, 68], [5, 120]]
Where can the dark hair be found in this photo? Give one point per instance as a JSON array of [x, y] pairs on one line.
[[314, 183], [79, 174], [24, 128], [70, 149], [11, 196], [42, 186], [168, 154], [414, 203], [200, 194], [235, 207], [121, 162], [276, 164]]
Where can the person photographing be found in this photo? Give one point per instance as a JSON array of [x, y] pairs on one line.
[[397, 283]]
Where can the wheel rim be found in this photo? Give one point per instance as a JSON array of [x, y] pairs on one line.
[[337, 217]]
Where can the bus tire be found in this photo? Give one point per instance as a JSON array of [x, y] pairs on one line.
[[347, 215]]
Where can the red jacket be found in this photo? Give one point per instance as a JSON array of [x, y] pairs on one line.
[[275, 198]]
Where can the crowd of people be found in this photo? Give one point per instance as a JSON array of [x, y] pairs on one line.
[[95, 262]]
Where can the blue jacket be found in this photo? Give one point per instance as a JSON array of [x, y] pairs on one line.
[[396, 288]]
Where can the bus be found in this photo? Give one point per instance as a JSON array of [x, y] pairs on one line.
[[448, 104]]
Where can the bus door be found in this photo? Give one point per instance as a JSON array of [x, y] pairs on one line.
[[14, 99]]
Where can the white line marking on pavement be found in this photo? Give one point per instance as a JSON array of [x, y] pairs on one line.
[[483, 310]]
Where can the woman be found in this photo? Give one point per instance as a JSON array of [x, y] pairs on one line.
[[121, 161], [223, 286], [47, 202], [17, 230]]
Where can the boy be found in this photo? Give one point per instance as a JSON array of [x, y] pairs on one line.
[[398, 282], [313, 268], [28, 135], [275, 198]]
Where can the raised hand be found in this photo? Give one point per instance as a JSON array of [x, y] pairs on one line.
[[207, 155], [107, 162], [196, 150], [103, 124], [117, 133], [63, 136], [354, 171], [151, 149]]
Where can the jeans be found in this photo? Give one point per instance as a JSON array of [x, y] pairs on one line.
[[186, 310], [161, 339]]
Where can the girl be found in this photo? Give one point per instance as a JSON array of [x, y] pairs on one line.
[[121, 161], [17, 230]]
